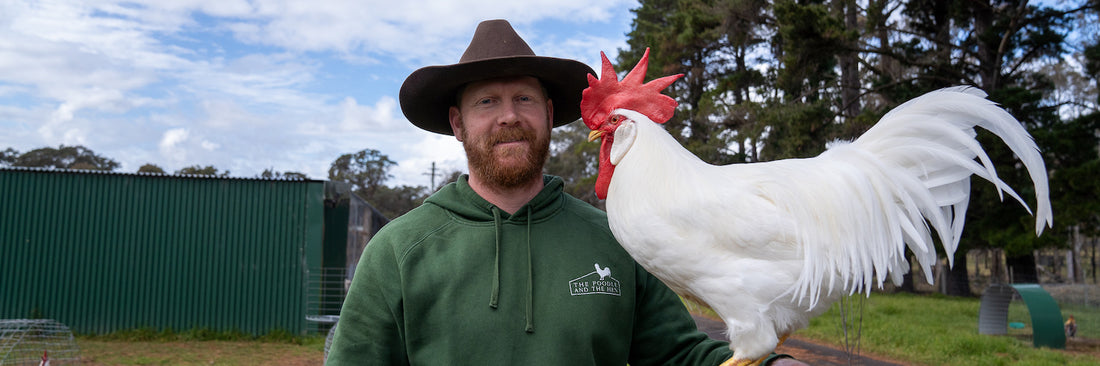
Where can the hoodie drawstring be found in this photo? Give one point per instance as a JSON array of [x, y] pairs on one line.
[[530, 282], [494, 298]]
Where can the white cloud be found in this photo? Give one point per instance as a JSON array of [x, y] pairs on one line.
[[411, 30], [227, 114], [209, 146], [247, 85], [169, 145], [378, 118], [172, 138]]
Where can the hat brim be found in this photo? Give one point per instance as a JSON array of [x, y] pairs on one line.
[[429, 92]]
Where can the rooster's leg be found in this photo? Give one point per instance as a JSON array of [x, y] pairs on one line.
[[782, 339], [733, 362]]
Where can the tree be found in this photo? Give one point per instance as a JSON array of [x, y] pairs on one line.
[[744, 29], [848, 58], [686, 37], [1071, 149], [449, 177], [575, 160], [208, 170], [396, 201], [271, 174], [7, 157], [150, 168], [806, 43], [366, 170], [63, 157]]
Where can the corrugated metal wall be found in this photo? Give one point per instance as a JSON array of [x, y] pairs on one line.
[[104, 252]]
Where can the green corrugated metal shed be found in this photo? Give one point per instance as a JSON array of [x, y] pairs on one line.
[[101, 252]]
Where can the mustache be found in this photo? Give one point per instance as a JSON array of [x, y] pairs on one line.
[[511, 134]]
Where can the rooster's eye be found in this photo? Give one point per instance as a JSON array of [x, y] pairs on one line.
[[615, 119]]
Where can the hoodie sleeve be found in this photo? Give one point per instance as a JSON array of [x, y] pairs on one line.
[[665, 333], [370, 330]]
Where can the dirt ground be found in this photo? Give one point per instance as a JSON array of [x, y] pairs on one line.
[[804, 350], [820, 354], [1079, 346], [195, 353]]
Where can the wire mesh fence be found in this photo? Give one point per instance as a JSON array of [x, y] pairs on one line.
[[332, 285], [1075, 272], [25, 341], [328, 289]]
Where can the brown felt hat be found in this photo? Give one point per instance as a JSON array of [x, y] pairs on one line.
[[495, 51]]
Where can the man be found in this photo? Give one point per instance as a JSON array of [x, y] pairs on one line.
[[502, 267]]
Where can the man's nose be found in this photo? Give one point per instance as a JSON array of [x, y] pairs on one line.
[[508, 114]]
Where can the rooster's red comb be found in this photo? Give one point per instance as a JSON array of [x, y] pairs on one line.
[[606, 94]]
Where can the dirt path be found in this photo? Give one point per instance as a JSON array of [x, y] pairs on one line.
[[806, 351]]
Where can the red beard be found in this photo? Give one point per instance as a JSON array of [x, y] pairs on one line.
[[509, 167]]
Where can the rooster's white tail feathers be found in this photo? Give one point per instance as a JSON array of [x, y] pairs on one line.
[[909, 172]]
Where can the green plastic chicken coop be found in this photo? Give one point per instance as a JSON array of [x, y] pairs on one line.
[[1046, 317]]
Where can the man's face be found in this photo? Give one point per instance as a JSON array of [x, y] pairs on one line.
[[504, 125]]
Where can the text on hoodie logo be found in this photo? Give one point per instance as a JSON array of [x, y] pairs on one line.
[[598, 282]]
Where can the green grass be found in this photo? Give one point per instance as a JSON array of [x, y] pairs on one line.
[[200, 347], [915, 329], [939, 330], [197, 334]]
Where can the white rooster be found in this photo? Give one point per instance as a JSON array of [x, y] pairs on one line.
[[770, 245]]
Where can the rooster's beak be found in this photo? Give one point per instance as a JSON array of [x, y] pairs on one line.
[[594, 135]]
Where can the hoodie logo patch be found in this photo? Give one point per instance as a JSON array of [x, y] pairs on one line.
[[598, 282]]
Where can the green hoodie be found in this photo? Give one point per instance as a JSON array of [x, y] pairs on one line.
[[457, 281]]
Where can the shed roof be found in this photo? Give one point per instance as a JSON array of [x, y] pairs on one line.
[[143, 174]]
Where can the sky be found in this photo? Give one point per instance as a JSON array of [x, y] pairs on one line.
[[249, 85]]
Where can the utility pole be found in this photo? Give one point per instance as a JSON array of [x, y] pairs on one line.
[[432, 174]]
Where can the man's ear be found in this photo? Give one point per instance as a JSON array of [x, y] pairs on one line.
[[455, 117]]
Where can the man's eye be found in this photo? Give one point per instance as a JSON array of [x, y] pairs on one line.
[[524, 99], [484, 101]]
